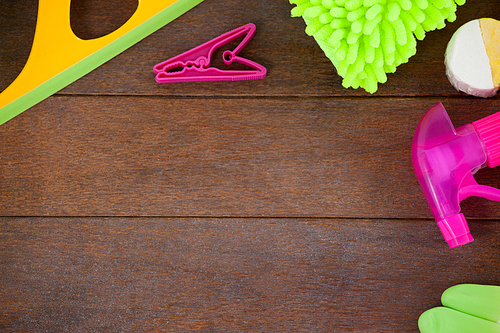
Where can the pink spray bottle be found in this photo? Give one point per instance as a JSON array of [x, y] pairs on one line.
[[445, 160]]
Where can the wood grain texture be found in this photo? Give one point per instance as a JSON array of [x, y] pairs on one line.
[[271, 275], [17, 28], [287, 204], [94, 19], [105, 156]]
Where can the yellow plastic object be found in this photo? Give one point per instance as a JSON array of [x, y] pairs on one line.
[[58, 57], [490, 30]]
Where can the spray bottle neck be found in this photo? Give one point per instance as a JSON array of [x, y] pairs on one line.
[[488, 130]]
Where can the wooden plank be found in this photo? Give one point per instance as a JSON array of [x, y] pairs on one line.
[[352, 247], [273, 275], [296, 65], [112, 156]]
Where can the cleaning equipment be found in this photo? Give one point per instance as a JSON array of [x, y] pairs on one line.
[[466, 308], [194, 65], [472, 58], [58, 57], [445, 160], [365, 39]]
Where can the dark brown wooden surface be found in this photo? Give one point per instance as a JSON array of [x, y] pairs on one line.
[[278, 205]]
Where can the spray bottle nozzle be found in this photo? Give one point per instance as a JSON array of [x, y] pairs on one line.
[[445, 160]]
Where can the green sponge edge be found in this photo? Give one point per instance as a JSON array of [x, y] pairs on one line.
[[366, 39], [95, 60]]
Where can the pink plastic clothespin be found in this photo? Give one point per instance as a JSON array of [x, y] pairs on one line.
[[194, 65]]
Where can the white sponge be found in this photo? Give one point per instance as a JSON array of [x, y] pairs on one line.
[[471, 58]]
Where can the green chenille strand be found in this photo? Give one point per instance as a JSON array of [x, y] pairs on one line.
[[365, 39]]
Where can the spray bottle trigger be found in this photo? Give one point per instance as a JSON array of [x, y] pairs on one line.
[[482, 191]]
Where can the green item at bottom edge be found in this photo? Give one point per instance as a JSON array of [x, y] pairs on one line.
[[468, 308]]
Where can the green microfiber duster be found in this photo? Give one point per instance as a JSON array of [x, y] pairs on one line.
[[365, 39]]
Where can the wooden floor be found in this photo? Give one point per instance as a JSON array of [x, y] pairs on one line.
[[287, 204]]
